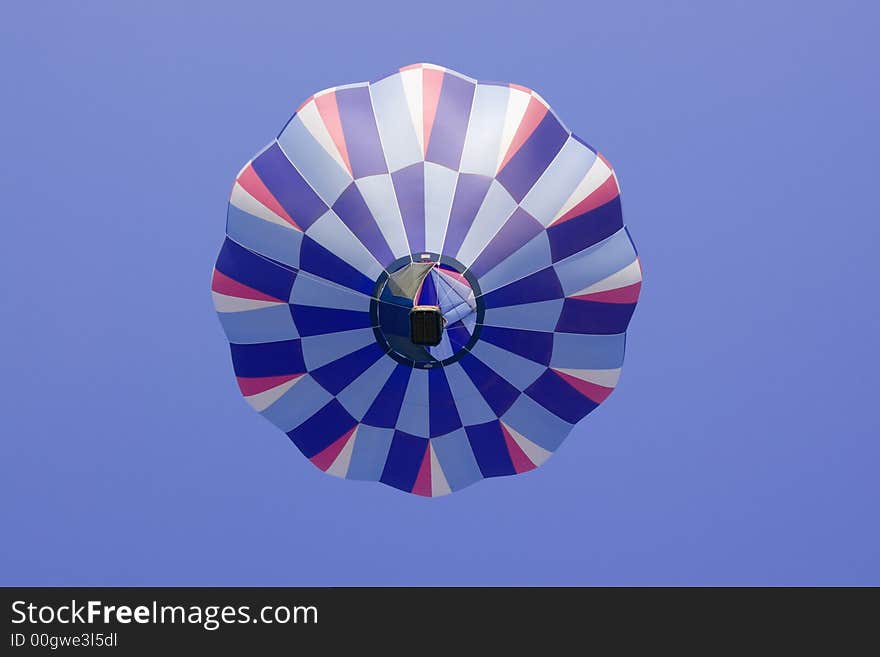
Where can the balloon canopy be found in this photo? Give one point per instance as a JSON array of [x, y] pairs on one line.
[[426, 280]]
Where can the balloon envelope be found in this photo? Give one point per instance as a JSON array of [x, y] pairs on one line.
[[426, 280]]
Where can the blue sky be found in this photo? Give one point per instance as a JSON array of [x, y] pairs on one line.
[[741, 446]]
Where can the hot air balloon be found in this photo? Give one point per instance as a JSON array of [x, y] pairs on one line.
[[426, 280]]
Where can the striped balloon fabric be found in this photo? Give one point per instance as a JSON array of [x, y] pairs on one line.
[[426, 280]]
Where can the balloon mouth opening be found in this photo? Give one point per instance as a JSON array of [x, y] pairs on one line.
[[427, 310], [426, 325]]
